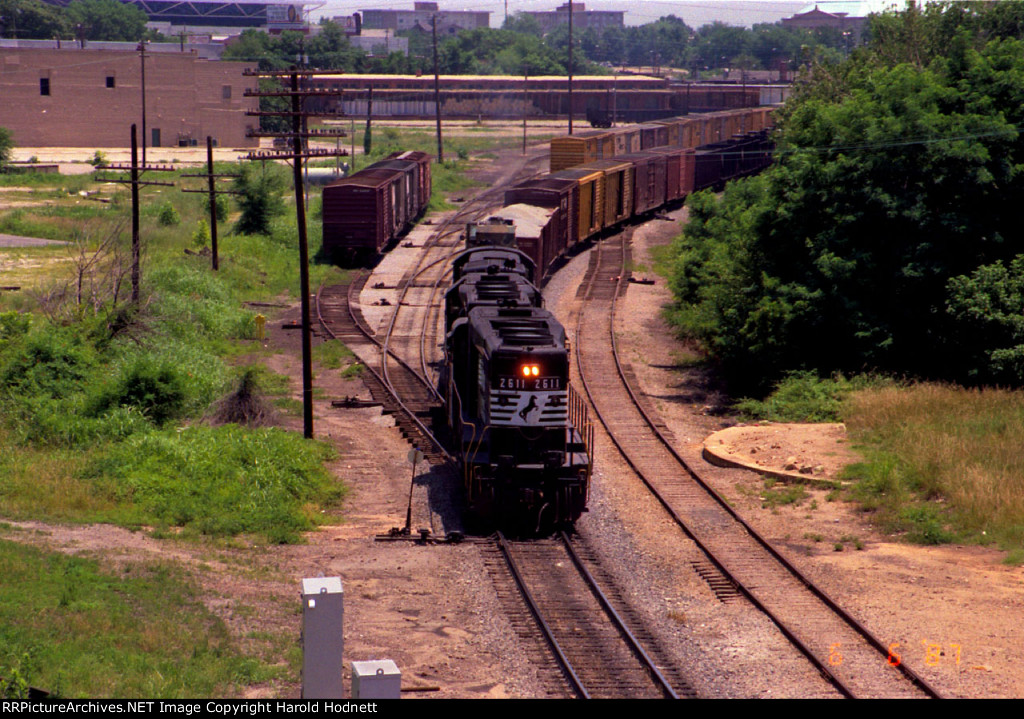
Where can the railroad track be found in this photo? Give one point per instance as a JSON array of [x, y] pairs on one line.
[[594, 647], [852, 659], [401, 359]]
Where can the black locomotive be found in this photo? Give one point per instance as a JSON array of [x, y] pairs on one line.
[[520, 431]]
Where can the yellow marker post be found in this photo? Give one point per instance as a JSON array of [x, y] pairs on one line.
[[261, 322]]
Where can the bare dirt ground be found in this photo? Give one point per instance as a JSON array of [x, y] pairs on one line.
[[953, 611]]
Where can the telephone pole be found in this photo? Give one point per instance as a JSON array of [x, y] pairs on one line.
[[142, 62], [212, 191], [437, 93], [298, 154], [570, 67], [135, 169]]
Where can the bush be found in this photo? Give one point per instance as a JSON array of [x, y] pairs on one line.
[[153, 387], [806, 397], [168, 216], [223, 206], [201, 235], [51, 361], [260, 200]]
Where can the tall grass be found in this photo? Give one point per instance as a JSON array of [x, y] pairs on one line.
[[959, 448], [85, 407]]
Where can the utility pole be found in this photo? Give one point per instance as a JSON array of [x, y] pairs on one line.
[[212, 191], [297, 155], [570, 67], [615, 93], [136, 183], [367, 134], [142, 61], [526, 98], [437, 93]]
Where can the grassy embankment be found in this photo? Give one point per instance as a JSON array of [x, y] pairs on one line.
[[104, 415], [941, 463]]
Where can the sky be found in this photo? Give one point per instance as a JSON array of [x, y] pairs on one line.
[[638, 12]]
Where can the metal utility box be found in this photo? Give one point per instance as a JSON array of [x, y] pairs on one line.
[[322, 610], [378, 679]]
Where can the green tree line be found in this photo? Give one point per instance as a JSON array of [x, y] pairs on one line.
[[80, 20], [886, 236], [517, 47]]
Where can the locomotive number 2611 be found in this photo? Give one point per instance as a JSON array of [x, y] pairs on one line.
[[530, 384]]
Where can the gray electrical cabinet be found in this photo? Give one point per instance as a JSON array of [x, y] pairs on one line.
[[378, 679], [322, 610]]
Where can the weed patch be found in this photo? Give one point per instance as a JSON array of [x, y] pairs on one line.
[[806, 397], [221, 481]]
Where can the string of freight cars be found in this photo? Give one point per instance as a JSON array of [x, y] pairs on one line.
[[688, 132], [363, 214]]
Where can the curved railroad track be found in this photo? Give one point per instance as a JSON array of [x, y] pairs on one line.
[[399, 357], [594, 645], [852, 659]]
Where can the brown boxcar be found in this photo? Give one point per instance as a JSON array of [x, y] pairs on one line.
[[557, 192], [686, 172], [618, 189], [422, 161], [673, 126], [650, 170], [571, 150], [653, 135], [358, 212], [689, 133], [673, 172], [590, 200], [406, 190], [627, 139]]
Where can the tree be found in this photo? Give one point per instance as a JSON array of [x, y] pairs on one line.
[[107, 20], [523, 23], [892, 179], [32, 19], [6, 145], [260, 200]]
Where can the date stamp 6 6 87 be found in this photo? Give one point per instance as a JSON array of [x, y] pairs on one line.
[[933, 654]]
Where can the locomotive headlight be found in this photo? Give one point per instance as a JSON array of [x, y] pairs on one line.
[[531, 370]]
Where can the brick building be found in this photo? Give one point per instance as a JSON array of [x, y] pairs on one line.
[[581, 18], [74, 97]]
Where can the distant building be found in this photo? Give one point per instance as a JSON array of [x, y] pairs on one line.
[[380, 42], [421, 17], [581, 18], [849, 17], [75, 97], [274, 15]]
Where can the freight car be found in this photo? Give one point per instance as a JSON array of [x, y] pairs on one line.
[[553, 214], [690, 131], [519, 430], [364, 212]]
